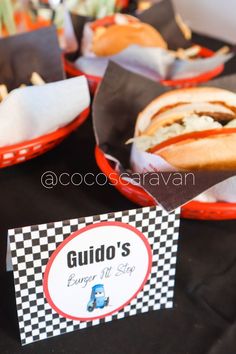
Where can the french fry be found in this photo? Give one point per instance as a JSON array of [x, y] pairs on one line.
[[192, 51], [186, 54], [36, 79], [183, 27], [144, 5], [3, 92], [223, 50]]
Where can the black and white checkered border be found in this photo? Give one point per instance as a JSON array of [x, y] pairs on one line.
[[31, 248]]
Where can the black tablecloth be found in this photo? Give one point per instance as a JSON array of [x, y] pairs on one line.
[[204, 316]]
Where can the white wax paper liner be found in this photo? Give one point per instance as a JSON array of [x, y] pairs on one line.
[[153, 63], [32, 111]]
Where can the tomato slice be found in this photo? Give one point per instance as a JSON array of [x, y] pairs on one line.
[[110, 20], [192, 135]]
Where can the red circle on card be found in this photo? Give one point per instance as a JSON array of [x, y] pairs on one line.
[[77, 234]]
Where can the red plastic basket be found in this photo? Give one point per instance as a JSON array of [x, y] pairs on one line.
[[191, 210], [94, 81], [17, 153], [194, 81]]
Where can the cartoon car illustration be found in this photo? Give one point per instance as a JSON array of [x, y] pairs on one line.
[[97, 298]]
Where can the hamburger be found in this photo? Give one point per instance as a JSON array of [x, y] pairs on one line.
[[115, 33], [191, 129]]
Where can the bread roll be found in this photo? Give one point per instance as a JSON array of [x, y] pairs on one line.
[[113, 39]]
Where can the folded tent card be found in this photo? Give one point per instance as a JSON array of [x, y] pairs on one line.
[[122, 96], [31, 111], [144, 54], [79, 273]]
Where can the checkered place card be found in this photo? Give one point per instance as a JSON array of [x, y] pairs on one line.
[[78, 273]]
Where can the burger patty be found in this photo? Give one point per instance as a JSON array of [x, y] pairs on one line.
[[223, 118]]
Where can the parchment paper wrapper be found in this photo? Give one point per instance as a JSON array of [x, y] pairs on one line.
[[153, 63], [162, 17], [122, 95], [78, 23], [32, 111], [22, 54]]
